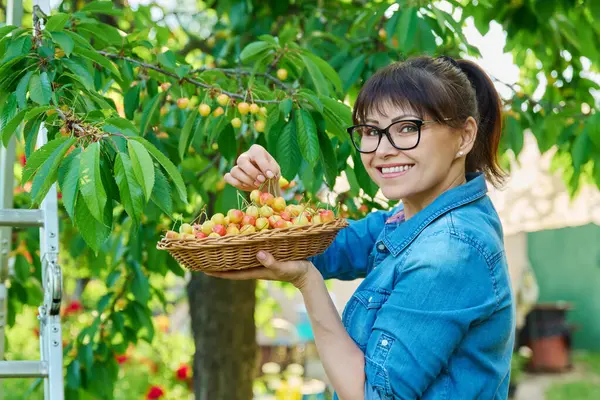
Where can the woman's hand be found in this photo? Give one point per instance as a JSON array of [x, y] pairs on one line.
[[252, 169], [295, 272]]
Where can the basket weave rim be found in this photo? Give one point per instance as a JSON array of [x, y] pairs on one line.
[[255, 237]]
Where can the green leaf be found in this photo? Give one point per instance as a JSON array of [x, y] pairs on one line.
[[103, 32], [407, 28], [141, 318], [140, 287], [94, 233], [308, 140], [132, 101], [254, 50], [34, 112], [593, 129], [581, 150], [120, 125], [81, 71], [30, 132], [184, 139], [338, 117], [34, 163], [8, 111], [363, 178], [101, 7], [352, 71], [74, 375], [48, 172], [148, 113], [319, 82], [5, 30], [183, 70], [81, 41], [168, 166], [161, 193], [21, 91], [90, 181], [286, 107], [227, 143], [288, 152], [130, 190], [143, 167], [40, 90], [597, 171], [216, 126], [328, 158], [22, 269], [12, 126], [327, 71], [18, 47], [311, 98], [515, 133], [68, 180], [100, 59], [167, 59], [56, 22], [64, 41]]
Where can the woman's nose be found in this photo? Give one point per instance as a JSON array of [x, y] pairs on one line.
[[385, 148]]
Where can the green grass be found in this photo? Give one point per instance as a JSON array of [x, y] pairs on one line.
[[590, 360], [580, 390]]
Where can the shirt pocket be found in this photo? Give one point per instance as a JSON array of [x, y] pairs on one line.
[[360, 314]]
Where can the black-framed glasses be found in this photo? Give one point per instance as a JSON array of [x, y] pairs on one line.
[[404, 134]]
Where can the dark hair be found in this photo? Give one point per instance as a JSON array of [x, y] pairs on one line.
[[442, 88]]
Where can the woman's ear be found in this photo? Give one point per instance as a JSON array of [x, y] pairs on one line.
[[468, 134]]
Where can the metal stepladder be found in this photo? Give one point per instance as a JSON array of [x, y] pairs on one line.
[[50, 365]]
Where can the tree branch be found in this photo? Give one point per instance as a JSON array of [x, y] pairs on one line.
[[184, 79], [211, 164], [241, 72]]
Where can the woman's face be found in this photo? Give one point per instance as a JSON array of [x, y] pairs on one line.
[[422, 173]]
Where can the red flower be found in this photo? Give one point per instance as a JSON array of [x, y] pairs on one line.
[[155, 392], [121, 358], [22, 160], [184, 372], [73, 307]]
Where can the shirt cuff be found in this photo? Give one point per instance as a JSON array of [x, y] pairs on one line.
[[370, 392]]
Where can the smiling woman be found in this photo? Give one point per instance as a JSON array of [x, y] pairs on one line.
[[433, 317]]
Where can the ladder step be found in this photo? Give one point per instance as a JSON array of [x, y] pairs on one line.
[[19, 218], [23, 369]]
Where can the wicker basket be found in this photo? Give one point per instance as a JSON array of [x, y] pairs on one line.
[[239, 251]]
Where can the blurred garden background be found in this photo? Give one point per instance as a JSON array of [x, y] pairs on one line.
[[119, 85]]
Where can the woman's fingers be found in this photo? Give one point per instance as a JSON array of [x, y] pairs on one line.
[[267, 260], [244, 274], [236, 183], [241, 176], [250, 169], [264, 161]]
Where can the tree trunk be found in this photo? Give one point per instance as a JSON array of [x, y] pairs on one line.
[[222, 315]]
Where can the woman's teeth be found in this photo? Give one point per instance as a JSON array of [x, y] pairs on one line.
[[399, 168]]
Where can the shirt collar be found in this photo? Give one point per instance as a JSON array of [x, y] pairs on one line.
[[403, 235]]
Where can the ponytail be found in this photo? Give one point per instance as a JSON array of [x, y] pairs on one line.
[[484, 155]]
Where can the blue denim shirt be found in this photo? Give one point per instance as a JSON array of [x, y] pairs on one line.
[[434, 314]]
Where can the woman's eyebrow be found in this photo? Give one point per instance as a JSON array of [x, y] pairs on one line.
[[403, 117], [398, 118]]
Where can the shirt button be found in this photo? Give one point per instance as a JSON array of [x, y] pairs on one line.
[[370, 299], [384, 342], [381, 247]]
